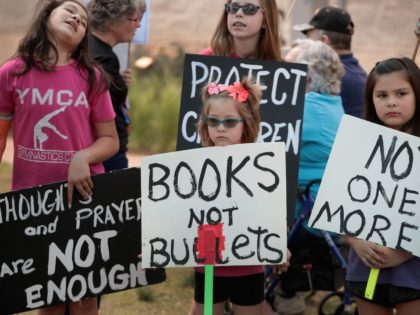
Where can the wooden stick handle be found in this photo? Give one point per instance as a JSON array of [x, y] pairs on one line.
[[416, 49]]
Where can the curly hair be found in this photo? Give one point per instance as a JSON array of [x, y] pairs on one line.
[[325, 69], [103, 11], [248, 110], [268, 47]]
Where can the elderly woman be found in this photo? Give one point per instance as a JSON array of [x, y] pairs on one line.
[[323, 111], [114, 22], [323, 108]]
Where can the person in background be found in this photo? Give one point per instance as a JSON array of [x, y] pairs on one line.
[[115, 22], [69, 133], [322, 114], [334, 27], [247, 29], [392, 99]]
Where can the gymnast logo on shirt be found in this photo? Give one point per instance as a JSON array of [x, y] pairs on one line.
[[40, 135]]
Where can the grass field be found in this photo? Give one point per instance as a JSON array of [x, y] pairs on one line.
[[5, 176], [171, 297]]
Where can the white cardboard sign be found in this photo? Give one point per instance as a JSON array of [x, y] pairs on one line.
[[371, 185], [217, 205]]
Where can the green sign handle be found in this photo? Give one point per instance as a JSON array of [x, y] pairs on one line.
[[371, 283], [208, 289]]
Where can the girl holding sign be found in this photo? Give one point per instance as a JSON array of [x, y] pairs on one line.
[[392, 99], [63, 121], [230, 115], [247, 29]]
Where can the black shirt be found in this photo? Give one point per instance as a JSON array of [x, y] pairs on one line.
[[106, 57]]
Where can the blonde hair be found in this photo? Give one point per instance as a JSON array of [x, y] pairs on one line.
[[268, 47], [248, 110]]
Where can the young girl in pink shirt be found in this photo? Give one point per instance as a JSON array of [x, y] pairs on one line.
[[63, 121]]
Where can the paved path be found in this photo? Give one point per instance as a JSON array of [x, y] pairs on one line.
[[133, 158]]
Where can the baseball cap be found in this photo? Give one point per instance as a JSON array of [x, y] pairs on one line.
[[329, 19]]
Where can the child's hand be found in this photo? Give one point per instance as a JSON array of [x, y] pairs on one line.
[[79, 177], [127, 77], [395, 257], [282, 267], [371, 254]]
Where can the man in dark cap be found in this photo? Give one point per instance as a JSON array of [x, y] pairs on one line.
[[334, 27]]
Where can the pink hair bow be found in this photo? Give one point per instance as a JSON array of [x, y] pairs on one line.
[[238, 92], [216, 88]]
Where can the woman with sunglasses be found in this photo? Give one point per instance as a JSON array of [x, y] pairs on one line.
[[115, 22], [247, 29]]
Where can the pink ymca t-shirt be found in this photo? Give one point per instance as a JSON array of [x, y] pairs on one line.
[[53, 118]]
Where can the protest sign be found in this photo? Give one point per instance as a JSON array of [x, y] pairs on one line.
[[281, 104], [370, 187], [218, 205], [141, 37], [51, 254]]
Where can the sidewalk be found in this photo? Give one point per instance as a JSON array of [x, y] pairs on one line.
[[134, 159]]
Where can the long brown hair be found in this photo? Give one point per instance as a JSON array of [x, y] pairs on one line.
[[268, 47], [248, 110], [412, 74], [34, 48]]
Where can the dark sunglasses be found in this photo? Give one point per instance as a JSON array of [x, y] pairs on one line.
[[227, 123], [247, 9]]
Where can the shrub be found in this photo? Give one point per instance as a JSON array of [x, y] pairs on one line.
[[154, 98], [188, 280], [146, 294]]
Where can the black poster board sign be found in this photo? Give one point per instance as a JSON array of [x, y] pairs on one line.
[[281, 104], [51, 254]]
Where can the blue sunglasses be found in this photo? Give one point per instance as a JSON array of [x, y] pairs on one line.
[[227, 123]]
